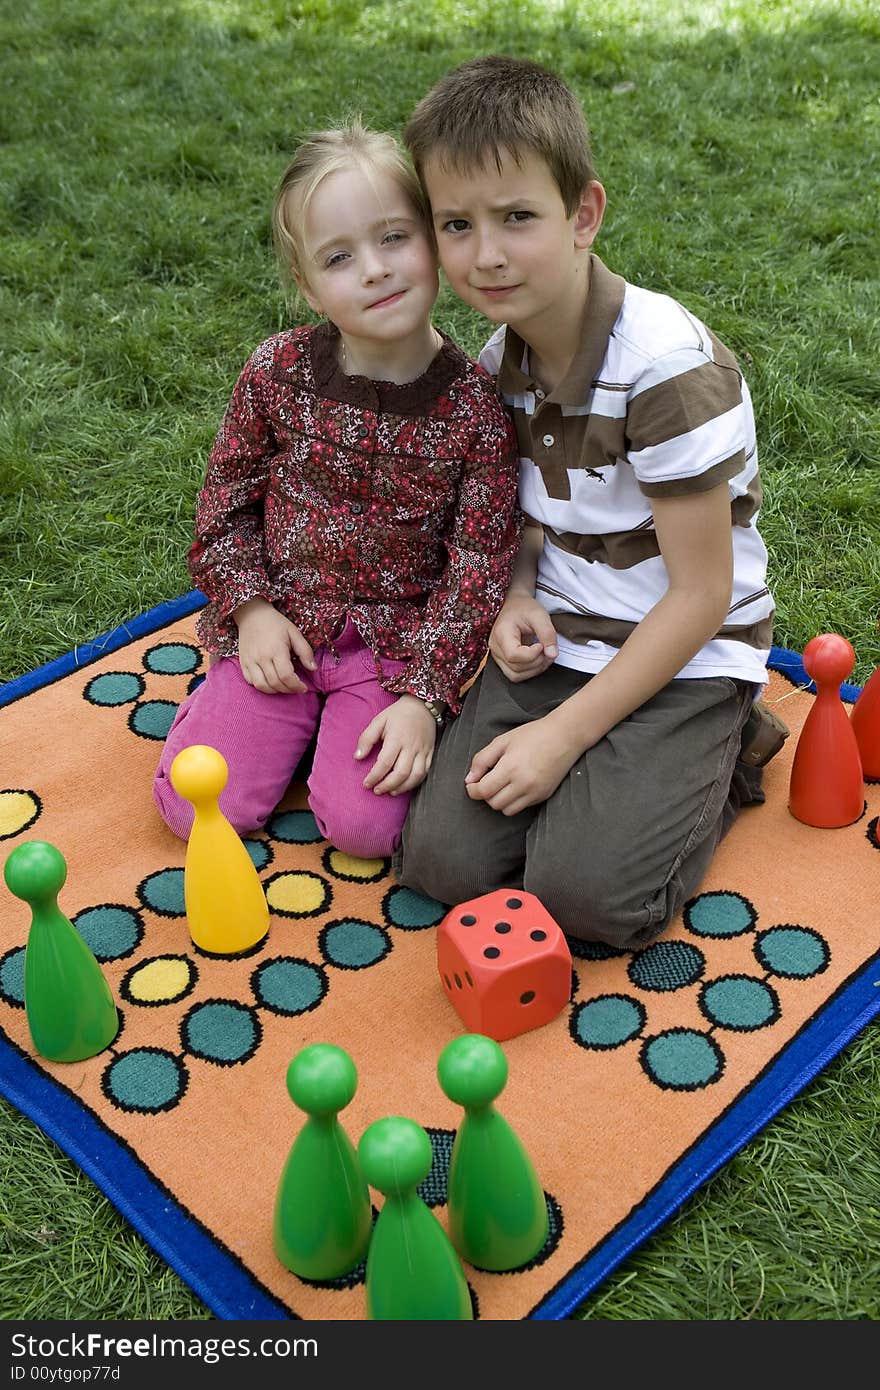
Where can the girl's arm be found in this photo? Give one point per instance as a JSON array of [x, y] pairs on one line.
[[226, 558], [481, 550]]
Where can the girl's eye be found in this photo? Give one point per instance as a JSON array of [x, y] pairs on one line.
[[455, 224], [336, 259], [393, 237]]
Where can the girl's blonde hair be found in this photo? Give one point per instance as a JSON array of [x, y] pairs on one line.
[[350, 145]]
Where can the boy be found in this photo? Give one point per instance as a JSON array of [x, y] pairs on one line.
[[600, 756]]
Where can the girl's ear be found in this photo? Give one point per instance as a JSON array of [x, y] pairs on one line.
[[311, 299], [588, 214]]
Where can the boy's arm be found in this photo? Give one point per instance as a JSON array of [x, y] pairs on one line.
[[523, 638], [525, 766]]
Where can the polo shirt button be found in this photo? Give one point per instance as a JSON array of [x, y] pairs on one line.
[[548, 441], [539, 393]]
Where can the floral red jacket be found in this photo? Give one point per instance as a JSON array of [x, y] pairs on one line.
[[333, 496]]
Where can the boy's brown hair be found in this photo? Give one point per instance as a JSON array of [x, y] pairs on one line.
[[494, 105]]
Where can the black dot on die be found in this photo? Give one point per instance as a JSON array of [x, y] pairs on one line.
[[538, 935], [502, 928], [513, 902], [492, 952], [468, 920], [527, 997]]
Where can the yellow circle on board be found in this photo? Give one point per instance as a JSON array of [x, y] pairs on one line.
[[160, 981], [348, 867], [18, 810], [299, 893]]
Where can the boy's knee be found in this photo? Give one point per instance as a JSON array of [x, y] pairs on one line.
[[591, 906], [441, 870]]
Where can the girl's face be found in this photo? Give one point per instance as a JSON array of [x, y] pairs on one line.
[[368, 262]]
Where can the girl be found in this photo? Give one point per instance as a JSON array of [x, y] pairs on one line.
[[358, 523]]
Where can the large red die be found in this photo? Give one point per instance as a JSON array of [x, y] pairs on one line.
[[504, 963]]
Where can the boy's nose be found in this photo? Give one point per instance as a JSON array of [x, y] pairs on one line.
[[490, 255]]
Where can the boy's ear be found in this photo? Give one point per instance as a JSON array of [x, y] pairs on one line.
[[588, 214]]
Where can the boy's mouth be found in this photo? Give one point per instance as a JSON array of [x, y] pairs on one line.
[[496, 291]]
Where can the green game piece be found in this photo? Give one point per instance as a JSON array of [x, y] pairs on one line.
[[413, 1271], [322, 1206], [497, 1209], [70, 1011]]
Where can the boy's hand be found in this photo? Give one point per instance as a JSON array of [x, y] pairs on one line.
[[407, 732], [520, 768], [265, 642], [523, 639]]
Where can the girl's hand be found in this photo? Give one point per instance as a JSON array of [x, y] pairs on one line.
[[407, 732], [265, 642], [523, 639]]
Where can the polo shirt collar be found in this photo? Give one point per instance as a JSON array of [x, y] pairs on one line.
[[601, 312]]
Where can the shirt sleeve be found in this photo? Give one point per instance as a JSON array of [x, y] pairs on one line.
[[452, 638], [226, 559]]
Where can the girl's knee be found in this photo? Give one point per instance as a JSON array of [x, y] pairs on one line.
[[365, 832]]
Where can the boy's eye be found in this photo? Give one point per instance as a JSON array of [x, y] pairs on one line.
[[520, 215], [456, 224]]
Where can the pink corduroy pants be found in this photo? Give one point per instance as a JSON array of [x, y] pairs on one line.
[[263, 738]]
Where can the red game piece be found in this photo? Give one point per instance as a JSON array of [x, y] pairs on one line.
[[866, 727], [504, 963], [826, 775]]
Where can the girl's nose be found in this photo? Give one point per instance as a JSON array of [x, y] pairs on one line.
[[373, 266]]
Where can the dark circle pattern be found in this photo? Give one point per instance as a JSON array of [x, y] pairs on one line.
[[352, 944], [410, 911], [681, 1059], [112, 930], [288, 986], [152, 718], [222, 1031], [114, 688], [12, 977], [606, 1022], [261, 854], [666, 966], [739, 1003], [294, 828], [172, 659], [719, 915], [162, 893], [791, 952], [145, 1081]]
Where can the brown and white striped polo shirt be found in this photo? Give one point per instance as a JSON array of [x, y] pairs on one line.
[[653, 405]]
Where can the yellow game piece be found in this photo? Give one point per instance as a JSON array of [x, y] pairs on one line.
[[225, 904]]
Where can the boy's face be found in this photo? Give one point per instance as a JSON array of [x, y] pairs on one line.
[[505, 241]]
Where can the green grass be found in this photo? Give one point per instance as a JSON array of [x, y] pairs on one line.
[[138, 154]]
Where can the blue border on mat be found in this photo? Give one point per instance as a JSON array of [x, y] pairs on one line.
[[216, 1276]]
